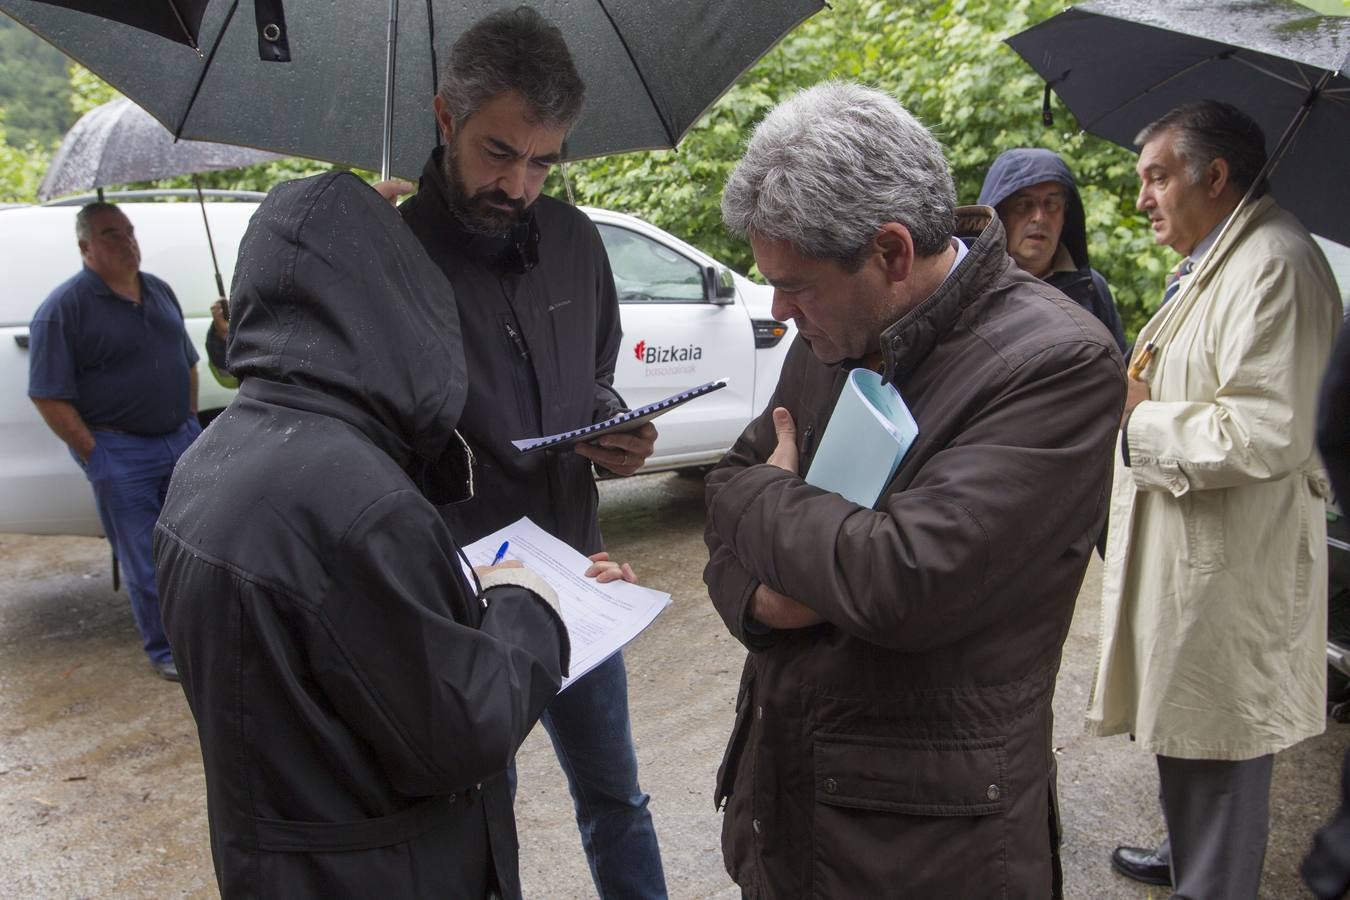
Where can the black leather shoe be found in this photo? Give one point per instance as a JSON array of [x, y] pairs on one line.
[[1141, 865], [166, 670]]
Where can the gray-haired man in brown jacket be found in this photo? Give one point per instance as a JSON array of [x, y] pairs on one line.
[[893, 730]]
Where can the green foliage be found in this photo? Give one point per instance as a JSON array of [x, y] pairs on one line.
[[21, 168], [33, 87], [87, 90], [947, 63]]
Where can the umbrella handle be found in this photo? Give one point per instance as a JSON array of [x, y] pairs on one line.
[[220, 282], [1142, 359]]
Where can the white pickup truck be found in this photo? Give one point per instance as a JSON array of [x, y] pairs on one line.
[[686, 319]]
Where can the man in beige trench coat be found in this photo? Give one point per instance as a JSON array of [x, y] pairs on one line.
[[1214, 588]]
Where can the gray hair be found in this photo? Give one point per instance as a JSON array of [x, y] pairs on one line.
[[87, 212], [513, 50], [828, 168], [1210, 130]]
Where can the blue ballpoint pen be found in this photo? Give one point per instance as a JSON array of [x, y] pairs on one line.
[[501, 551]]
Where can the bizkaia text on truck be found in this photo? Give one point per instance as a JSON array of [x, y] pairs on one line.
[[652, 354]]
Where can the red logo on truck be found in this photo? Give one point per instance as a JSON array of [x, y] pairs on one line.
[[640, 349]]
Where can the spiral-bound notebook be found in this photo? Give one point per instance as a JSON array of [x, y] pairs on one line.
[[624, 421]]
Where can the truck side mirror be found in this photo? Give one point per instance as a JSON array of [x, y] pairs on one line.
[[719, 288]]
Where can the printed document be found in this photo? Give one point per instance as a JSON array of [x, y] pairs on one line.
[[600, 618]]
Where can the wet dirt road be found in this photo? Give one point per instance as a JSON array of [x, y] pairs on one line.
[[101, 790]]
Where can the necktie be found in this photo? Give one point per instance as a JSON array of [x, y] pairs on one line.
[[1174, 280]]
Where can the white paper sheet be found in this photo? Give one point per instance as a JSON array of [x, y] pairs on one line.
[[600, 618]]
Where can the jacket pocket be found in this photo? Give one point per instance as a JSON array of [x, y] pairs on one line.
[[514, 349], [908, 817], [289, 836], [1202, 513]]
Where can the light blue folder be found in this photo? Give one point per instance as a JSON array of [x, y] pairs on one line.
[[868, 434]]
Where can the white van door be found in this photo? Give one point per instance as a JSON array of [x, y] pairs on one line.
[[43, 489], [675, 337]]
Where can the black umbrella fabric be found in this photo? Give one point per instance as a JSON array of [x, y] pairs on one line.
[[1119, 64], [177, 20], [118, 143], [651, 69]]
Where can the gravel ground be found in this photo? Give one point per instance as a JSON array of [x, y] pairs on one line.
[[102, 794]]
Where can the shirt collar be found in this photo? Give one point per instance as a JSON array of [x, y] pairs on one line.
[[961, 251], [1208, 240], [96, 283], [1063, 261]]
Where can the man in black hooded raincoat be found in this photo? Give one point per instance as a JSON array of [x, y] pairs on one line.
[[1037, 200], [356, 703]]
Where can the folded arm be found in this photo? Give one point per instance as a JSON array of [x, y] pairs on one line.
[[1027, 472]]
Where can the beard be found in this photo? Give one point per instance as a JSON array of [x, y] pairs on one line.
[[477, 212]]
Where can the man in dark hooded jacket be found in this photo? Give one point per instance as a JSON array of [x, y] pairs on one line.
[[356, 703], [1037, 201]]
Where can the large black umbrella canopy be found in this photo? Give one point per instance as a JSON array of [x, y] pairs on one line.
[[177, 20], [650, 68], [118, 143], [1120, 64]]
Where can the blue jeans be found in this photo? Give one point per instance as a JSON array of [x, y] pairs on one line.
[[589, 726], [130, 476]]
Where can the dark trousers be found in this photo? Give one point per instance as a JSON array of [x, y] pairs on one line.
[[1218, 820], [130, 476], [593, 740]]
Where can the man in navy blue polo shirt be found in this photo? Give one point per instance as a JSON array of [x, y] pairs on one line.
[[114, 374]]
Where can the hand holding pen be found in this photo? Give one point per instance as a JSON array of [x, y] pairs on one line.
[[497, 561]]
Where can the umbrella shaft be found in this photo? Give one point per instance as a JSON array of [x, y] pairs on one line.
[[390, 53], [1141, 360]]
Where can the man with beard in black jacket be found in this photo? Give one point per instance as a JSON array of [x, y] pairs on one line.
[[357, 701], [541, 332]]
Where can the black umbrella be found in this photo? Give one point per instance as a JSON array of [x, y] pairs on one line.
[[177, 20], [1120, 64], [118, 142], [651, 69]]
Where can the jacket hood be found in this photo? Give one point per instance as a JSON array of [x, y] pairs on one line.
[[1025, 166], [337, 309]]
